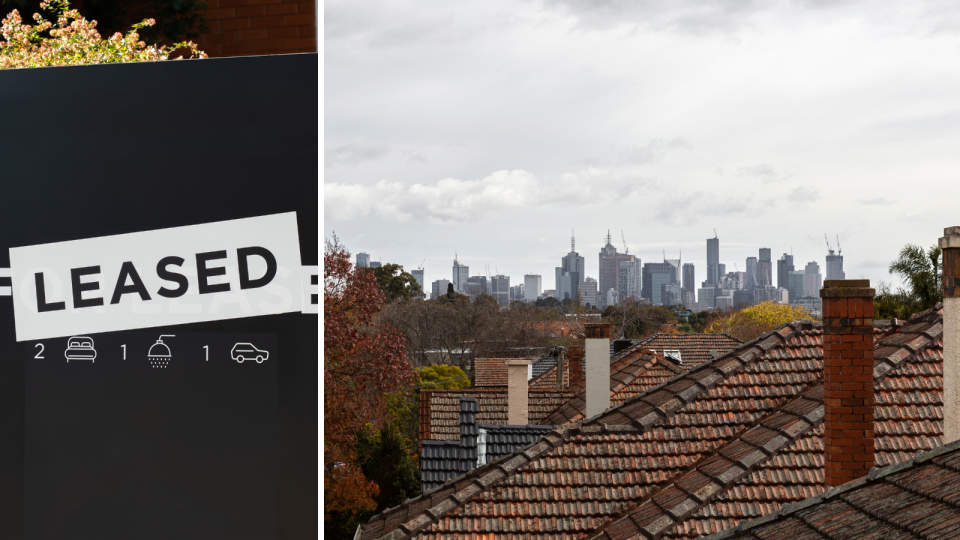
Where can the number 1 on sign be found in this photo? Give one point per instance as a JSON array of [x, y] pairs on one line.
[[124, 351], [206, 349]]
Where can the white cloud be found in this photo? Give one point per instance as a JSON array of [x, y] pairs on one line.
[[803, 194]]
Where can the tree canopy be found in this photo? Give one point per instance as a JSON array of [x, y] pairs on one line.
[[921, 270], [364, 363], [751, 322], [395, 283]]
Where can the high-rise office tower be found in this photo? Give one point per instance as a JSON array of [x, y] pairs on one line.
[[570, 274], [610, 270], [784, 267], [764, 269], [689, 279], [795, 285], [628, 281], [588, 292], [439, 288], [363, 260], [751, 273], [835, 265], [532, 287], [812, 280], [655, 275], [418, 275], [461, 273], [500, 289], [713, 260]]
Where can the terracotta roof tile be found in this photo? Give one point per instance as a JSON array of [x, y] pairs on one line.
[[735, 437], [490, 372]]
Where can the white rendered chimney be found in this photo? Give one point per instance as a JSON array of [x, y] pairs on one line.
[[517, 391], [597, 374], [950, 244]]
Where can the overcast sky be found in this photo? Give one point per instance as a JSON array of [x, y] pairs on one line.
[[493, 128]]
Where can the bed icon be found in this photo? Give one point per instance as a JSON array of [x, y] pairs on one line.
[[80, 348]]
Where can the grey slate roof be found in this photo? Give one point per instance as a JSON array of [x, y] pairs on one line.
[[503, 440]]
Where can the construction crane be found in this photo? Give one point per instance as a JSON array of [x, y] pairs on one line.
[[421, 264], [828, 243], [715, 233], [839, 251], [626, 250]]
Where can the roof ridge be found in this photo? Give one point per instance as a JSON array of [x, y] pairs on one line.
[[744, 355], [875, 476], [474, 483], [695, 499], [621, 384]]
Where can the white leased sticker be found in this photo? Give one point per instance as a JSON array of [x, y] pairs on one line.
[[224, 270]]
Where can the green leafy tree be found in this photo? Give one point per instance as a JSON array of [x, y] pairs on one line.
[[450, 291], [442, 377], [395, 283]]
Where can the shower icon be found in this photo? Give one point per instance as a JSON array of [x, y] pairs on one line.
[[159, 354]]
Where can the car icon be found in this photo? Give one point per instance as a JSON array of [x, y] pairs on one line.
[[80, 348], [246, 351]]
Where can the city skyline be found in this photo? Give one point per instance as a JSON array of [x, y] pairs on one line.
[[547, 280]]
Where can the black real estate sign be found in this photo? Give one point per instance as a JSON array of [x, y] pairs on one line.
[[158, 429]]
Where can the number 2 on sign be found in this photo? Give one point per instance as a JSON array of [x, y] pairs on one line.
[[40, 352]]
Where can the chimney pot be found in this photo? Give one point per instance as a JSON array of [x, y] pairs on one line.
[[847, 354], [517, 391], [950, 245]]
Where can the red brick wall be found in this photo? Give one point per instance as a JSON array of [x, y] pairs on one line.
[[575, 364], [255, 27], [848, 379]]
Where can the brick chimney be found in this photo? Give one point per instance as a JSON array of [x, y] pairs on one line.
[[847, 379], [517, 392], [575, 362], [598, 368], [950, 244]]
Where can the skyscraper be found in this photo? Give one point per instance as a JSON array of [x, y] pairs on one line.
[[418, 275], [439, 288], [764, 269], [461, 273], [532, 287], [610, 271], [500, 289], [784, 267], [570, 274], [588, 292], [689, 279], [713, 260], [655, 275], [751, 273], [363, 260], [812, 280], [628, 281], [795, 285], [835, 265]]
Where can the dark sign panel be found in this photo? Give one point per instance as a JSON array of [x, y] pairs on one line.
[[158, 291]]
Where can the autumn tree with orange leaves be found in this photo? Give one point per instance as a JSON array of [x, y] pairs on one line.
[[364, 361]]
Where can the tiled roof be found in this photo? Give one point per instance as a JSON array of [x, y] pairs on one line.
[[629, 376], [440, 409], [735, 437], [499, 441], [490, 372], [695, 349], [917, 498]]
